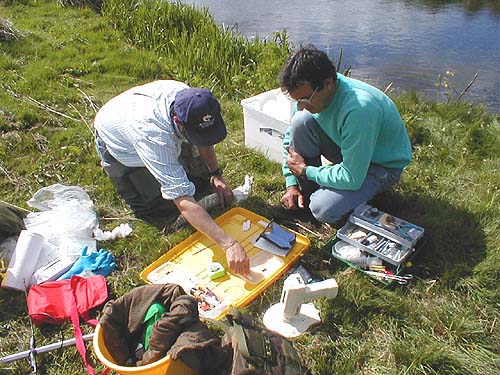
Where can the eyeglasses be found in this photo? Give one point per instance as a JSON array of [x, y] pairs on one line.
[[304, 100]]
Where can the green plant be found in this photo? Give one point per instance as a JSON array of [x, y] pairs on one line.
[[189, 39], [94, 4]]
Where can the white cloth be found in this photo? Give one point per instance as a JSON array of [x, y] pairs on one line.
[[138, 132]]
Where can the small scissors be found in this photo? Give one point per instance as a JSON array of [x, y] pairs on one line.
[[400, 279]]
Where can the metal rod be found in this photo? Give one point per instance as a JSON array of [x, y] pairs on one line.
[[31, 353], [14, 206], [44, 349]]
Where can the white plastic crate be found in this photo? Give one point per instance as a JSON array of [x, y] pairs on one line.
[[266, 118]]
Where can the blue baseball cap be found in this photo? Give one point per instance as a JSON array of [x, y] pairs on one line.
[[199, 112]]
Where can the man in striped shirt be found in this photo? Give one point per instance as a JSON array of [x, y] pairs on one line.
[[140, 135]]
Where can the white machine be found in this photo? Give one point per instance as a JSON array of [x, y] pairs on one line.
[[291, 316]]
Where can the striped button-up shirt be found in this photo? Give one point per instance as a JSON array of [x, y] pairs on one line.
[[138, 132]]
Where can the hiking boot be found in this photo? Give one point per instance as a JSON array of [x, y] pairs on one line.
[[159, 221], [210, 203]]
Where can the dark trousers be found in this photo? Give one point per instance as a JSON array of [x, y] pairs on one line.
[[140, 189]]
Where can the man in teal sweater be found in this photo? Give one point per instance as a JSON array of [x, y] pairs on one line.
[[353, 125]]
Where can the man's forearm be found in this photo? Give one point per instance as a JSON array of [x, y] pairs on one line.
[[209, 157], [201, 221]]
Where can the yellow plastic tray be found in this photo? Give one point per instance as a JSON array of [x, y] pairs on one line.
[[197, 251]]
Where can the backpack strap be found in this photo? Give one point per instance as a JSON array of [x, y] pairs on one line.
[[240, 337], [75, 320], [234, 329]]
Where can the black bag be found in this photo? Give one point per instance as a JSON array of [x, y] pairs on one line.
[[257, 350], [11, 221]]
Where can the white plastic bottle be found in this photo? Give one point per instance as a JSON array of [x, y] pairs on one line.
[[365, 261], [355, 255]]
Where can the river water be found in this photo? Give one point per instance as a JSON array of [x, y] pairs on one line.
[[406, 43]]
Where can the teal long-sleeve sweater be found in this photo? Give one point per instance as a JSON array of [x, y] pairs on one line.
[[366, 125]]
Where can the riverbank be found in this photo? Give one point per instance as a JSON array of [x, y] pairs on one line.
[[72, 60], [433, 47]]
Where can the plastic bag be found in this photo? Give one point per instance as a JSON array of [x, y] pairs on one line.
[[57, 195], [66, 221], [242, 192]]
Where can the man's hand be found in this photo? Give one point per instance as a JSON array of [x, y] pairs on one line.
[[224, 192], [236, 256], [237, 259], [293, 198], [296, 163]]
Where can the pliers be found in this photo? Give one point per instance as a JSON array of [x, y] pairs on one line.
[[400, 279]]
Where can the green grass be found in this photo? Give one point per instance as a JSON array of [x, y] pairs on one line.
[[72, 60]]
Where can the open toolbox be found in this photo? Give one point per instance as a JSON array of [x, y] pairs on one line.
[[200, 267], [377, 243]]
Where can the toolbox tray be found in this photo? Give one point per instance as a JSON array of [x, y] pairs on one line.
[[367, 221], [396, 255], [385, 236], [371, 218], [396, 270], [197, 251]]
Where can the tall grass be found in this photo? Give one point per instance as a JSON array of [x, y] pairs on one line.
[[198, 50], [94, 4]]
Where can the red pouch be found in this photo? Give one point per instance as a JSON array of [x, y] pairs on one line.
[[53, 302]]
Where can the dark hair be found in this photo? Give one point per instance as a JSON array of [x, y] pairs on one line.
[[308, 64]]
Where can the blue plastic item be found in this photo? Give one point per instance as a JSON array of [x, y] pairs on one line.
[[279, 236], [101, 262]]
